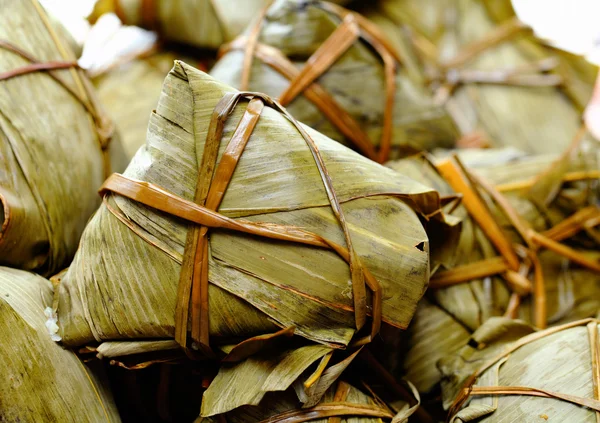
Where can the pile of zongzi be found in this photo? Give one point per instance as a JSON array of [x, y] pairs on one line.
[[368, 215]]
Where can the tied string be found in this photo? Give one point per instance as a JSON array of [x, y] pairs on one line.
[[331, 410], [515, 262], [353, 28], [468, 389], [104, 127], [211, 187]]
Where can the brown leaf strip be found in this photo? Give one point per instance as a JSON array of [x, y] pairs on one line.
[[252, 345], [319, 371], [341, 394], [568, 177], [500, 34], [331, 409], [205, 174], [458, 180], [564, 251], [36, 67], [326, 55], [587, 217], [468, 272], [251, 46], [535, 392], [315, 93]]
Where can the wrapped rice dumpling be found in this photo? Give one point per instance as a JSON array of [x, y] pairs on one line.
[[54, 143], [502, 85], [40, 381], [334, 71], [343, 402], [556, 276], [509, 372], [274, 228], [201, 23]]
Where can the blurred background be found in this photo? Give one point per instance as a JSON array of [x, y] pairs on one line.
[[571, 25]]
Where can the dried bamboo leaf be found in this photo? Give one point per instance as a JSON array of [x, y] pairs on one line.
[[51, 133], [557, 361], [311, 395], [348, 102], [41, 381], [256, 285], [355, 406], [246, 383]]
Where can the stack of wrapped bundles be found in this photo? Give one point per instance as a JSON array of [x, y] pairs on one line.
[[55, 143], [528, 249], [234, 228], [263, 267], [336, 72], [201, 23], [40, 381], [501, 85], [507, 371]]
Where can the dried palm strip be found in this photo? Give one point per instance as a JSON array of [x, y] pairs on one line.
[[54, 140], [256, 284], [40, 380], [507, 370], [324, 70]]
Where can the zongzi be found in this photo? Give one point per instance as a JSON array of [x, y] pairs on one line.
[[509, 372], [39, 380], [336, 72], [501, 84], [54, 143], [476, 282], [297, 232]]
